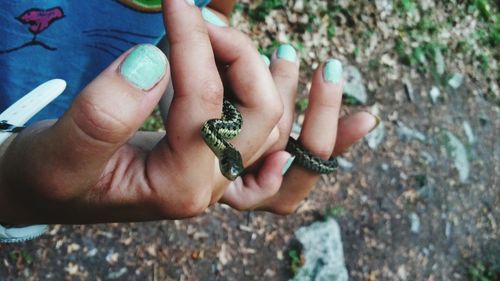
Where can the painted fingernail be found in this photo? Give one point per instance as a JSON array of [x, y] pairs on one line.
[[212, 18], [190, 2], [287, 166], [333, 71], [377, 121], [144, 67], [266, 60], [287, 52]]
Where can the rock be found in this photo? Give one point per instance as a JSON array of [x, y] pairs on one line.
[[298, 6], [456, 81], [439, 60], [117, 274], [434, 94], [374, 139], [322, 249], [406, 133], [344, 163], [384, 7], [354, 88], [415, 223], [469, 133], [456, 150]]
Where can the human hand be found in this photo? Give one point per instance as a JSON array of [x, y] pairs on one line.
[[323, 134], [92, 165]]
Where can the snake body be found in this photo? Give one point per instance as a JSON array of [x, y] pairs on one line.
[[217, 133], [309, 161]]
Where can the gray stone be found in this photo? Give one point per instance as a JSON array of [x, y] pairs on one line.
[[117, 274], [415, 223], [406, 133], [456, 150], [344, 163], [456, 81], [439, 60], [469, 133], [435, 93], [375, 138], [354, 87], [322, 249]]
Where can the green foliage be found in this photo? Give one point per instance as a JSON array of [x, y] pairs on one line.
[[484, 272], [301, 104], [335, 212], [22, 255], [261, 11], [405, 6], [295, 260], [153, 123]]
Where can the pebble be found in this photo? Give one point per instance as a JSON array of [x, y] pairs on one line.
[[354, 87], [469, 133], [435, 93], [415, 223], [344, 163], [375, 138], [406, 133], [456, 81], [456, 150]]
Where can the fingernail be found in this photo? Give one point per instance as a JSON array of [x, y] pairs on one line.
[[266, 60], [377, 121], [287, 52], [287, 166], [212, 18], [144, 67], [333, 71], [190, 2]]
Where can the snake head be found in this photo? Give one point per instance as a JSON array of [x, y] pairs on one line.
[[231, 164]]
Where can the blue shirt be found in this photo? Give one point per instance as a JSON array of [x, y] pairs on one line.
[[71, 40]]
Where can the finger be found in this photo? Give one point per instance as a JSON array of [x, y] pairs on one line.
[[285, 71], [252, 189], [103, 117], [352, 128], [317, 136], [198, 90], [253, 86]]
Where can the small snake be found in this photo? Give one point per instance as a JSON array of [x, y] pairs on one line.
[[217, 132], [310, 161]]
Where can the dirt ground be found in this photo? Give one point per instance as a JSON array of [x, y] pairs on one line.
[[404, 212]]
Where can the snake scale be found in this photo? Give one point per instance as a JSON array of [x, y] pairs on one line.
[[217, 133]]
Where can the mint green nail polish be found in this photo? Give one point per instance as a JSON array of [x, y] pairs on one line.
[[266, 60], [212, 18], [287, 52], [287, 166], [144, 66], [333, 71]]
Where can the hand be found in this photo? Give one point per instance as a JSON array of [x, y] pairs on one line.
[[323, 134], [92, 165]]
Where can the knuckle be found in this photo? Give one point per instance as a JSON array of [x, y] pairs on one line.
[[99, 123], [285, 73], [213, 93], [322, 151]]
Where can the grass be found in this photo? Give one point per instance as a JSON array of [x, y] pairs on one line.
[[481, 271]]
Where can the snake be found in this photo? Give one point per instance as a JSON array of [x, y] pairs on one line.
[[218, 132]]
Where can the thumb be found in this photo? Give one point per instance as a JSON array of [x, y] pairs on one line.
[[106, 114]]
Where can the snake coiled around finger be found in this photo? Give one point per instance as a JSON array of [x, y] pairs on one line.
[[217, 133]]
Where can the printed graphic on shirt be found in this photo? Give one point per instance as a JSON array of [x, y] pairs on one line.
[[38, 20], [147, 6]]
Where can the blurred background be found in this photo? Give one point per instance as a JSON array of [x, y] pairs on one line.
[[417, 199]]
